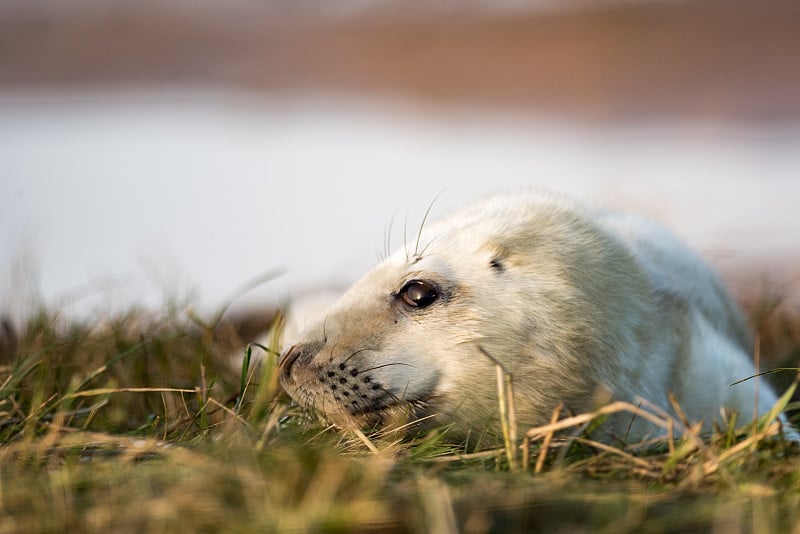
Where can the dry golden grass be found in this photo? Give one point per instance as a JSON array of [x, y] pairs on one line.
[[142, 423]]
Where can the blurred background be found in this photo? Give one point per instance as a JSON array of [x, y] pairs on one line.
[[155, 151]]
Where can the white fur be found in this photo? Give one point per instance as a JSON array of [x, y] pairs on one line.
[[572, 301]]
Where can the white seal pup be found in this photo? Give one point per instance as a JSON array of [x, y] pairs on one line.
[[571, 300]]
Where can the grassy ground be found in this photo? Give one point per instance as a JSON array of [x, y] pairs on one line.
[[143, 424]]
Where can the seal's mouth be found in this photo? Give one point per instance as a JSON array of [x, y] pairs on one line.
[[387, 411], [396, 415], [375, 409], [413, 405]]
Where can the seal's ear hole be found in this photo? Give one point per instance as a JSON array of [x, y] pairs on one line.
[[499, 255], [497, 265], [418, 294]]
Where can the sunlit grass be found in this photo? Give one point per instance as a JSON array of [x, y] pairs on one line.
[[148, 423]]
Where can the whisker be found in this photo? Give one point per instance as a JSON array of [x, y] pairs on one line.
[[385, 365], [324, 325], [422, 253], [405, 236], [330, 354], [387, 238], [424, 219], [356, 352]]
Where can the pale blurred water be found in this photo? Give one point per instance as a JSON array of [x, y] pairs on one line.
[[112, 199]]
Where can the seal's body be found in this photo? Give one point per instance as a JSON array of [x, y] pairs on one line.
[[573, 302]]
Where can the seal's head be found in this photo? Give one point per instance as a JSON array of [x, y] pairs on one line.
[[528, 279]]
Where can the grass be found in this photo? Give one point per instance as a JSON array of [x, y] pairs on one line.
[[146, 423]]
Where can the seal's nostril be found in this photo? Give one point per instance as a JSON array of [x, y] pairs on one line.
[[299, 355], [287, 360]]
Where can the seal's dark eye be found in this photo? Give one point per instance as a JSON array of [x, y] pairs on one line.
[[418, 294]]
